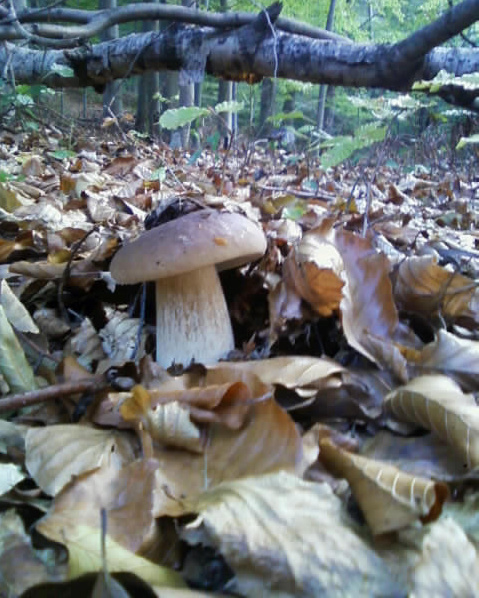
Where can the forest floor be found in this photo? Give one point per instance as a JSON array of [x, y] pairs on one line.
[[334, 452]]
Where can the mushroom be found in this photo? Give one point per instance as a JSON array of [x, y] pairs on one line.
[[182, 256]]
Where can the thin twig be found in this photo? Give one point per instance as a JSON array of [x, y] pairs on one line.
[[55, 391], [66, 274]]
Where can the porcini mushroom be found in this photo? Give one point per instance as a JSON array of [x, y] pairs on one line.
[[182, 256]]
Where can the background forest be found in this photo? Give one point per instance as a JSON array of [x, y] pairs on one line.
[[285, 113]]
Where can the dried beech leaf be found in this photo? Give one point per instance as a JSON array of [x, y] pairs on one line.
[[313, 270], [168, 423], [389, 498], [15, 311], [425, 287], [307, 373], [84, 548], [10, 476], [22, 565], [368, 313], [268, 442], [438, 404], [14, 366], [425, 455], [56, 453], [207, 399], [448, 565], [83, 273], [119, 338], [286, 537], [449, 353], [119, 492]]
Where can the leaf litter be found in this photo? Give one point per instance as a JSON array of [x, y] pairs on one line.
[[333, 453]]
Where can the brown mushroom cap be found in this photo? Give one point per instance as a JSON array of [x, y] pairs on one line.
[[196, 240]]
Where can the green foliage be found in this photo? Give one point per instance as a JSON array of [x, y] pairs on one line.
[[62, 154], [468, 82], [472, 140], [179, 117], [342, 147], [281, 117]]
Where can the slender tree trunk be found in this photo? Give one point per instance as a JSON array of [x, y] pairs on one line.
[[225, 94], [266, 107], [112, 103], [148, 106], [187, 92], [323, 89]]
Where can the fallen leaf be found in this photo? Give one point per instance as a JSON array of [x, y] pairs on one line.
[[286, 537], [438, 404], [425, 287], [84, 548], [56, 453], [448, 564], [389, 498], [125, 494]]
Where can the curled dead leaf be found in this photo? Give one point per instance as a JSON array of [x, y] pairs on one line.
[[389, 498], [425, 287], [438, 404], [313, 270]]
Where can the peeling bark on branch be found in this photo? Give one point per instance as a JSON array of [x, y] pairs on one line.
[[254, 51]]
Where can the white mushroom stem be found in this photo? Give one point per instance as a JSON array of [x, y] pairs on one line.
[[192, 319]]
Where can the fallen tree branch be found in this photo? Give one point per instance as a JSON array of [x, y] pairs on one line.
[[91, 23]]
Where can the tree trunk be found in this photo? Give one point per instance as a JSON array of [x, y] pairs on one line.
[[112, 103], [147, 106], [266, 107], [225, 94], [323, 89]]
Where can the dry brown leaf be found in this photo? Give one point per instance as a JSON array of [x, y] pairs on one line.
[[126, 495], [321, 384], [268, 442], [22, 566], [425, 287], [389, 498], [23, 241], [220, 396], [368, 313], [56, 453], [166, 422], [314, 270], [307, 375], [83, 273], [448, 564], [438, 404], [448, 353], [285, 537]]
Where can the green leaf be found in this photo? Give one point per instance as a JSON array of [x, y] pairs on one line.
[[282, 116], [159, 174], [341, 148], [63, 70], [13, 364], [62, 154], [231, 106], [178, 117], [463, 141]]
